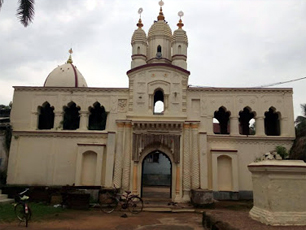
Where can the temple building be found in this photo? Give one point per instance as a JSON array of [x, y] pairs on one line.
[[158, 131]]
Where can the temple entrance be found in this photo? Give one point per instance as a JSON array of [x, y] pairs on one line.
[[156, 175]]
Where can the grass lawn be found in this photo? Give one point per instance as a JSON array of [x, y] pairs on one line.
[[40, 211]]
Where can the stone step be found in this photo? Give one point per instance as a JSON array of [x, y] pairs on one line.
[[3, 196], [6, 201]]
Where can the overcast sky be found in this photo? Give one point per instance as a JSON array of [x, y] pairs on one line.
[[232, 43]]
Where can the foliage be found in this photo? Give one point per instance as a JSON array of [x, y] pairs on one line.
[[40, 211], [282, 151], [25, 11], [298, 149]]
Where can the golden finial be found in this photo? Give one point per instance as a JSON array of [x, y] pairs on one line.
[[139, 24], [180, 24], [161, 15], [70, 59]]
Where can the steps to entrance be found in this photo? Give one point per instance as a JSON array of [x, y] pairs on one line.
[[4, 199], [165, 205]]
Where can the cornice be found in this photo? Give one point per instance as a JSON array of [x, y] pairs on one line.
[[69, 89], [254, 90], [154, 65], [62, 134], [250, 138]]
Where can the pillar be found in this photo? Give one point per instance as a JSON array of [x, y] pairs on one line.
[[195, 157], [186, 164], [58, 120], [234, 126], [118, 161], [127, 157], [83, 120], [259, 126]]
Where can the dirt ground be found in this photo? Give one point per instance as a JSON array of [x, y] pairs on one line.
[[99, 220], [236, 214]]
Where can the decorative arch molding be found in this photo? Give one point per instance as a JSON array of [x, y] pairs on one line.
[[153, 147], [168, 143], [164, 85]]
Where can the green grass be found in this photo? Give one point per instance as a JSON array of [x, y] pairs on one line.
[[40, 212]]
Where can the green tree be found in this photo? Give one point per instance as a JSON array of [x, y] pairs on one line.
[[298, 149], [25, 11]]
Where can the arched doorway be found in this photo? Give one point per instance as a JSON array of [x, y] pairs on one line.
[[156, 175]]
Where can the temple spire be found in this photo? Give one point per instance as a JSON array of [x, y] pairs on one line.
[[70, 59], [161, 14], [180, 24], [139, 24]]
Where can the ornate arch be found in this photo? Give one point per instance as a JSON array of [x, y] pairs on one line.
[[169, 143]]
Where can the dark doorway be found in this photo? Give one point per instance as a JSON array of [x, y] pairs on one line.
[[156, 176]]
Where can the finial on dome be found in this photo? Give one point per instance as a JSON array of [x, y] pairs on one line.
[[70, 59], [139, 24], [180, 24], [161, 17]]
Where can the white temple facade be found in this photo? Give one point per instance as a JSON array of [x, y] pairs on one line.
[[65, 132]]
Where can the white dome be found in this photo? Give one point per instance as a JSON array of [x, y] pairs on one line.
[[160, 28], [139, 36], [180, 35], [66, 75]]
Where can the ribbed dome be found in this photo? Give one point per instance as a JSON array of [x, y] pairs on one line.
[[139, 36], [180, 35], [66, 75], [160, 28]]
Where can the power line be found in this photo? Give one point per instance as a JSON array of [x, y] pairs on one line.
[[279, 83]]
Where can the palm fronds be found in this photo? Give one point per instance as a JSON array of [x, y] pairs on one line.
[[25, 11]]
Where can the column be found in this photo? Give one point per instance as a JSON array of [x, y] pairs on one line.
[[135, 178], [283, 127], [234, 126], [58, 120], [110, 158], [177, 181], [186, 163], [83, 120], [259, 126], [127, 157], [195, 176], [118, 161]]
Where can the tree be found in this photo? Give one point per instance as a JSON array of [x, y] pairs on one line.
[[298, 149], [25, 11]]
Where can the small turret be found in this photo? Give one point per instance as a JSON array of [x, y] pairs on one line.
[[139, 45], [179, 45]]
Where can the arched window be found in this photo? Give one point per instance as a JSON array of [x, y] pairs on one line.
[[138, 50], [223, 118], [71, 117], [97, 117], [179, 49], [245, 117], [46, 116], [158, 102], [159, 52], [272, 124]]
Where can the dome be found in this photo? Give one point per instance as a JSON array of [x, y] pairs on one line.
[[139, 36], [180, 35], [66, 75], [160, 28]]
